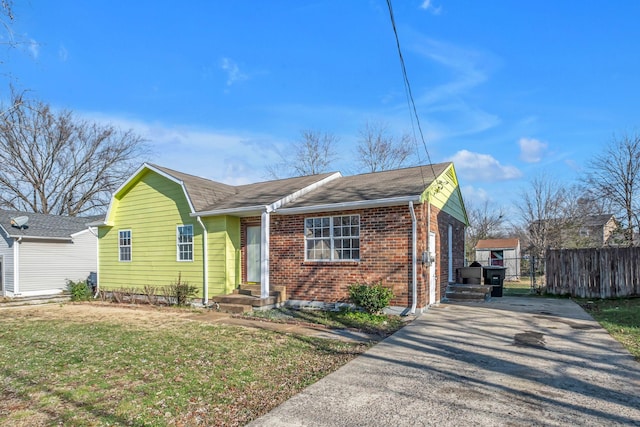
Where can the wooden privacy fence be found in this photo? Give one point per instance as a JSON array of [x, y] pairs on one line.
[[593, 273]]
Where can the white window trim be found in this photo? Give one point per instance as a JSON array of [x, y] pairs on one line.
[[178, 243], [331, 240], [130, 246]]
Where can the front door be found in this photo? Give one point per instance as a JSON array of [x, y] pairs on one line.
[[432, 268], [253, 254]]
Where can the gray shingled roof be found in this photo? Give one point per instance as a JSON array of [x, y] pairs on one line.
[[597, 220], [202, 192], [44, 226], [207, 195], [407, 182]]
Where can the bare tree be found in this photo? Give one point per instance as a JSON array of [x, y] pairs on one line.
[[312, 154], [544, 208], [6, 19], [485, 222], [52, 162], [614, 175], [378, 150]]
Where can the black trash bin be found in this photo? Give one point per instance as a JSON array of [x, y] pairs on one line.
[[494, 276]]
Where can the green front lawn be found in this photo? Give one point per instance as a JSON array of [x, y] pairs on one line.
[[621, 318], [102, 370], [381, 325]]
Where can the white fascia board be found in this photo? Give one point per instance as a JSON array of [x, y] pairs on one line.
[[78, 233], [174, 179], [131, 178], [247, 210], [364, 204], [309, 188], [119, 189]]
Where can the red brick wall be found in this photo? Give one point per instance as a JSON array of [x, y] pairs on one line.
[[385, 255], [443, 220]]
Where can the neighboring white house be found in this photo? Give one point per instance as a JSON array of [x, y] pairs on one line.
[[501, 253], [39, 253]]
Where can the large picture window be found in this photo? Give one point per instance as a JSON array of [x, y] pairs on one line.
[[124, 245], [184, 241], [332, 238]]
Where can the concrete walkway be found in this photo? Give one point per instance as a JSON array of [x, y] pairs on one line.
[[509, 362]]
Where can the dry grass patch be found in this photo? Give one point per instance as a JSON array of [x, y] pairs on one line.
[[92, 365]]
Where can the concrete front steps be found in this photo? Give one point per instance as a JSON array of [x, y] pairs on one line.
[[246, 298], [468, 292]]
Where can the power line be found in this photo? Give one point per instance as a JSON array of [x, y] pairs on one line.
[[407, 88]]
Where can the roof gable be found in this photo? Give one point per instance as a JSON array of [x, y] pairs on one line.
[[597, 220]]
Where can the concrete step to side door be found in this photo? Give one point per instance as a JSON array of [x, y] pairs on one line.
[[234, 308]]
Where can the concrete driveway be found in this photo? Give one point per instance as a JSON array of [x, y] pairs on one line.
[[509, 362]]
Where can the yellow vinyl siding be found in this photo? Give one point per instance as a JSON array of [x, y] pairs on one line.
[[151, 209], [224, 253], [444, 193]]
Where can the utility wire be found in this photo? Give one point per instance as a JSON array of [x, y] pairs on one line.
[[407, 88]]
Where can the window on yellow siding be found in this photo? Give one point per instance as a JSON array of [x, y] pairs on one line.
[[124, 245], [184, 241], [332, 238]]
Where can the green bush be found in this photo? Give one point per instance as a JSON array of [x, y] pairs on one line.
[[79, 290], [371, 298], [179, 292]]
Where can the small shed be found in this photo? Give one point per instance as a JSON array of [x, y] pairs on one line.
[[500, 253]]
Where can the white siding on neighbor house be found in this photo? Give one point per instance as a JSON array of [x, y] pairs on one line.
[[46, 265], [6, 256]]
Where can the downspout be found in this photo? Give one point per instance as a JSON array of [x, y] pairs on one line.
[[414, 260], [93, 231], [264, 253], [431, 260], [205, 255], [16, 267]]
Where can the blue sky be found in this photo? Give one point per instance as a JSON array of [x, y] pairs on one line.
[[507, 90]]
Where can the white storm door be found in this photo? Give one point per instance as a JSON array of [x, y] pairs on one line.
[[432, 268], [253, 254]]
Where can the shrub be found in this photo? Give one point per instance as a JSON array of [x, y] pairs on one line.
[[371, 298], [79, 290], [179, 292], [151, 292]]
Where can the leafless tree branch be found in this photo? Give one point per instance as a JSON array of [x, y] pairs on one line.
[[53, 162]]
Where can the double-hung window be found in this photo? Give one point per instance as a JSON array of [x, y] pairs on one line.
[[184, 242], [124, 245], [332, 238]]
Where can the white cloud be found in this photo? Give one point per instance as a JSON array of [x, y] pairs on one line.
[[225, 156], [532, 150], [475, 167], [474, 195], [63, 53], [446, 102], [233, 71], [34, 48], [428, 5]]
